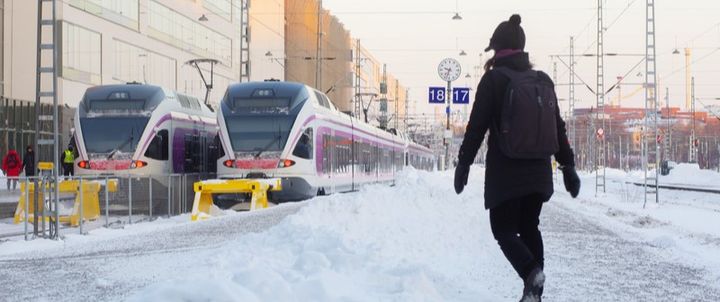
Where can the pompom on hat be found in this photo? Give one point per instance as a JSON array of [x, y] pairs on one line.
[[508, 35]]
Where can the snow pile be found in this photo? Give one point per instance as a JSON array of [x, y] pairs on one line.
[[417, 241], [692, 175]]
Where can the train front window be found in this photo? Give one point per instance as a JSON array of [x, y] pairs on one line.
[[112, 135], [258, 133], [259, 125]]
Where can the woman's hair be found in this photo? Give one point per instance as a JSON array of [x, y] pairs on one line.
[[490, 63]]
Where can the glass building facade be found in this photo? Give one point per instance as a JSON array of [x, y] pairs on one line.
[[81, 51], [104, 42]]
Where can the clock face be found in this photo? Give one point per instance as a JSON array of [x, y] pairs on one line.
[[449, 69]]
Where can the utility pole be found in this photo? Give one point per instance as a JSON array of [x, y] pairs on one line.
[[397, 106], [244, 47], [318, 53], [357, 109], [407, 106], [600, 99], [668, 130], [47, 64], [650, 146], [571, 108], [692, 157]]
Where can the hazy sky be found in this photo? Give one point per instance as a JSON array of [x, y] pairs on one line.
[[412, 36]]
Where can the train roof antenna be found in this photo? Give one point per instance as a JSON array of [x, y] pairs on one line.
[[208, 86]]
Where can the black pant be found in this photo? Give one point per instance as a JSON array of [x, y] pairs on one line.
[[68, 169], [514, 225]]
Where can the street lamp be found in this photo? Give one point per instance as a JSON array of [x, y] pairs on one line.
[[463, 53], [203, 18], [457, 14]]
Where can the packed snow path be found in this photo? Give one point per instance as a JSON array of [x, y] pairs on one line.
[[417, 241]]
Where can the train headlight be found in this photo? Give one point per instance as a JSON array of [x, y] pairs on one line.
[[228, 163], [84, 164], [285, 163], [137, 164]]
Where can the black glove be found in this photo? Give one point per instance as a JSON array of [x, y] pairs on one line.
[[571, 180], [461, 177]]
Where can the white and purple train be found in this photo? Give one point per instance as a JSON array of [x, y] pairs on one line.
[[294, 132], [140, 129]]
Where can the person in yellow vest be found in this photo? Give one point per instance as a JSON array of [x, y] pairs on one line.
[[68, 159]]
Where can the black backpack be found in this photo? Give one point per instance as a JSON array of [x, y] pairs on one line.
[[527, 128]]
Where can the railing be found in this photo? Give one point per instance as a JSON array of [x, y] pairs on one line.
[[121, 200]]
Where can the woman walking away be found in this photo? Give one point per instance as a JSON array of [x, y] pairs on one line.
[[518, 106], [11, 164], [29, 162]]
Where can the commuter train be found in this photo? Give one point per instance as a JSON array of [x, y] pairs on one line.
[[140, 129], [291, 131]]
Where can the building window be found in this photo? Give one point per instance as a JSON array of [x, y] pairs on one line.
[[123, 12], [81, 54], [222, 8], [184, 33], [135, 64]]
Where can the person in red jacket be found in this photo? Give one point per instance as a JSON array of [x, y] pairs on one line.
[[12, 165]]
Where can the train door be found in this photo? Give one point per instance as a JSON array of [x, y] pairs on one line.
[[193, 157]]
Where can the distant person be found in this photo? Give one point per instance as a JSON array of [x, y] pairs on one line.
[[68, 160], [519, 107], [28, 162], [11, 164]]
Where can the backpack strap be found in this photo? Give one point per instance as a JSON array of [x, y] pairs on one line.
[[513, 74]]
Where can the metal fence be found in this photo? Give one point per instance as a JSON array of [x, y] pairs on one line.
[[135, 199], [17, 126]]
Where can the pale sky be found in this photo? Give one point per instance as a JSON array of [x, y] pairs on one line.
[[413, 36]]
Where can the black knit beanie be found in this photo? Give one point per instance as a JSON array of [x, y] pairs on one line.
[[508, 35]]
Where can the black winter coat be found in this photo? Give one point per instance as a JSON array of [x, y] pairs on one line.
[[29, 163], [507, 178]]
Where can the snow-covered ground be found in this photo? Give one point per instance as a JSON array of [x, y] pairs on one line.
[[416, 241]]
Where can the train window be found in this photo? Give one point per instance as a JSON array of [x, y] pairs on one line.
[[322, 100], [219, 146], [304, 147], [112, 104], [158, 148]]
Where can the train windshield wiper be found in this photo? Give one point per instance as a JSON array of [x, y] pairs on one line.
[[122, 145], [277, 138]]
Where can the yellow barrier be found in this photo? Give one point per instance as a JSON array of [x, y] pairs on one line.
[[258, 189], [90, 202]]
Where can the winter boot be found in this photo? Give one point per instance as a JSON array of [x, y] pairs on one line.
[[533, 286]]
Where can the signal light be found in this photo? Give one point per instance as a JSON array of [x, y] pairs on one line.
[[138, 164], [228, 163], [84, 164], [286, 163]]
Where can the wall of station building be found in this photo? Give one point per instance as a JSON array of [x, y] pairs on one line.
[[300, 59], [267, 34], [147, 41], [339, 63]]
